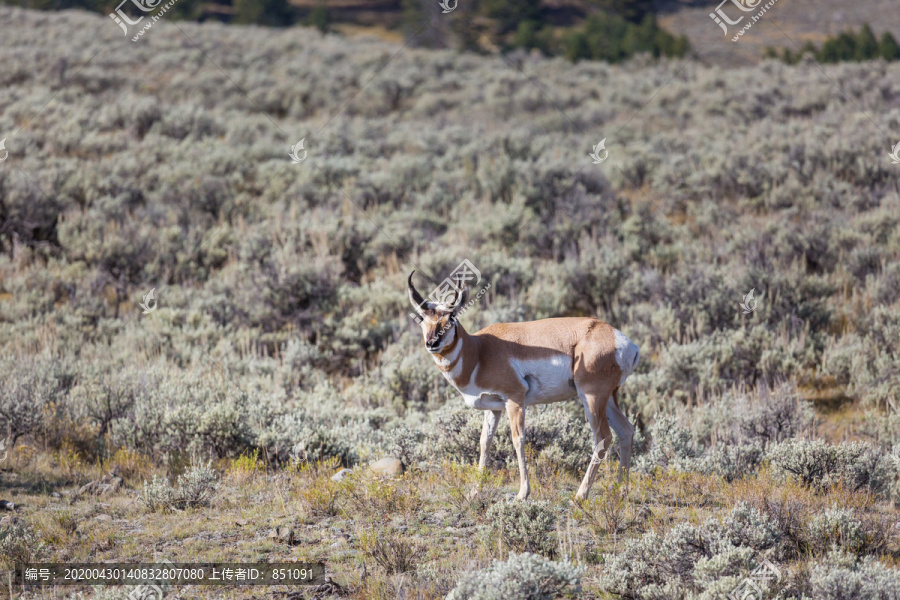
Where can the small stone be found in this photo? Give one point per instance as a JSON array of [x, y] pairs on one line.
[[241, 522], [283, 534], [103, 518], [341, 475], [387, 466], [7, 505], [55, 495]]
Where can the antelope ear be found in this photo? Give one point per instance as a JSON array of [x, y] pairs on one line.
[[461, 299]]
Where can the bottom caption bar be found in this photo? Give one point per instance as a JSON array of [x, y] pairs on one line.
[[170, 574]]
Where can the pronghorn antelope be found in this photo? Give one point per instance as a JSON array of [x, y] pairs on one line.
[[516, 365]]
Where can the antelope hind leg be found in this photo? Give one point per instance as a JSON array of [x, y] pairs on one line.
[[516, 414], [624, 429], [595, 412]]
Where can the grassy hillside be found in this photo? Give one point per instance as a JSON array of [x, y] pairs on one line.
[[280, 346]]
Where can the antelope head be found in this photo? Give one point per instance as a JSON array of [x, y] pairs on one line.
[[438, 320]]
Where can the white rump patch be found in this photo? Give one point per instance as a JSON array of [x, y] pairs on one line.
[[627, 355]]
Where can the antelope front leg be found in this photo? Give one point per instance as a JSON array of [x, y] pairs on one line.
[[491, 420], [516, 414]]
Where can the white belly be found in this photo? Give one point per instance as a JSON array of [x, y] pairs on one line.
[[548, 380]]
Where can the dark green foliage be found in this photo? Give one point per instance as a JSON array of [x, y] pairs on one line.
[[319, 17], [263, 12], [846, 46], [888, 46], [511, 13], [530, 34], [609, 37]]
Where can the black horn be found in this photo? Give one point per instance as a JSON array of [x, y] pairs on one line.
[[415, 297]]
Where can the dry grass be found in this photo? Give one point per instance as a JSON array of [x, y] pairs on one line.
[[380, 537]]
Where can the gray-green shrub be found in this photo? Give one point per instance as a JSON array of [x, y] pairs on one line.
[[524, 526], [194, 488], [819, 464], [526, 576]]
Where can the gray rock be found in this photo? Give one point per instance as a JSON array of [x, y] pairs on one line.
[[341, 475], [109, 483], [387, 466], [283, 534]]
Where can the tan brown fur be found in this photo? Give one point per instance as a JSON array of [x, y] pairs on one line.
[[506, 362]]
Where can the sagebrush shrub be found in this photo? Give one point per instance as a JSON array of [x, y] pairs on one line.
[[524, 526], [841, 577], [320, 442], [523, 576], [455, 432], [194, 488], [845, 529], [30, 387], [819, 464], [748, 526], [689, 559], [470, 489], [396, 553], [865, 360], [18, 545]]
